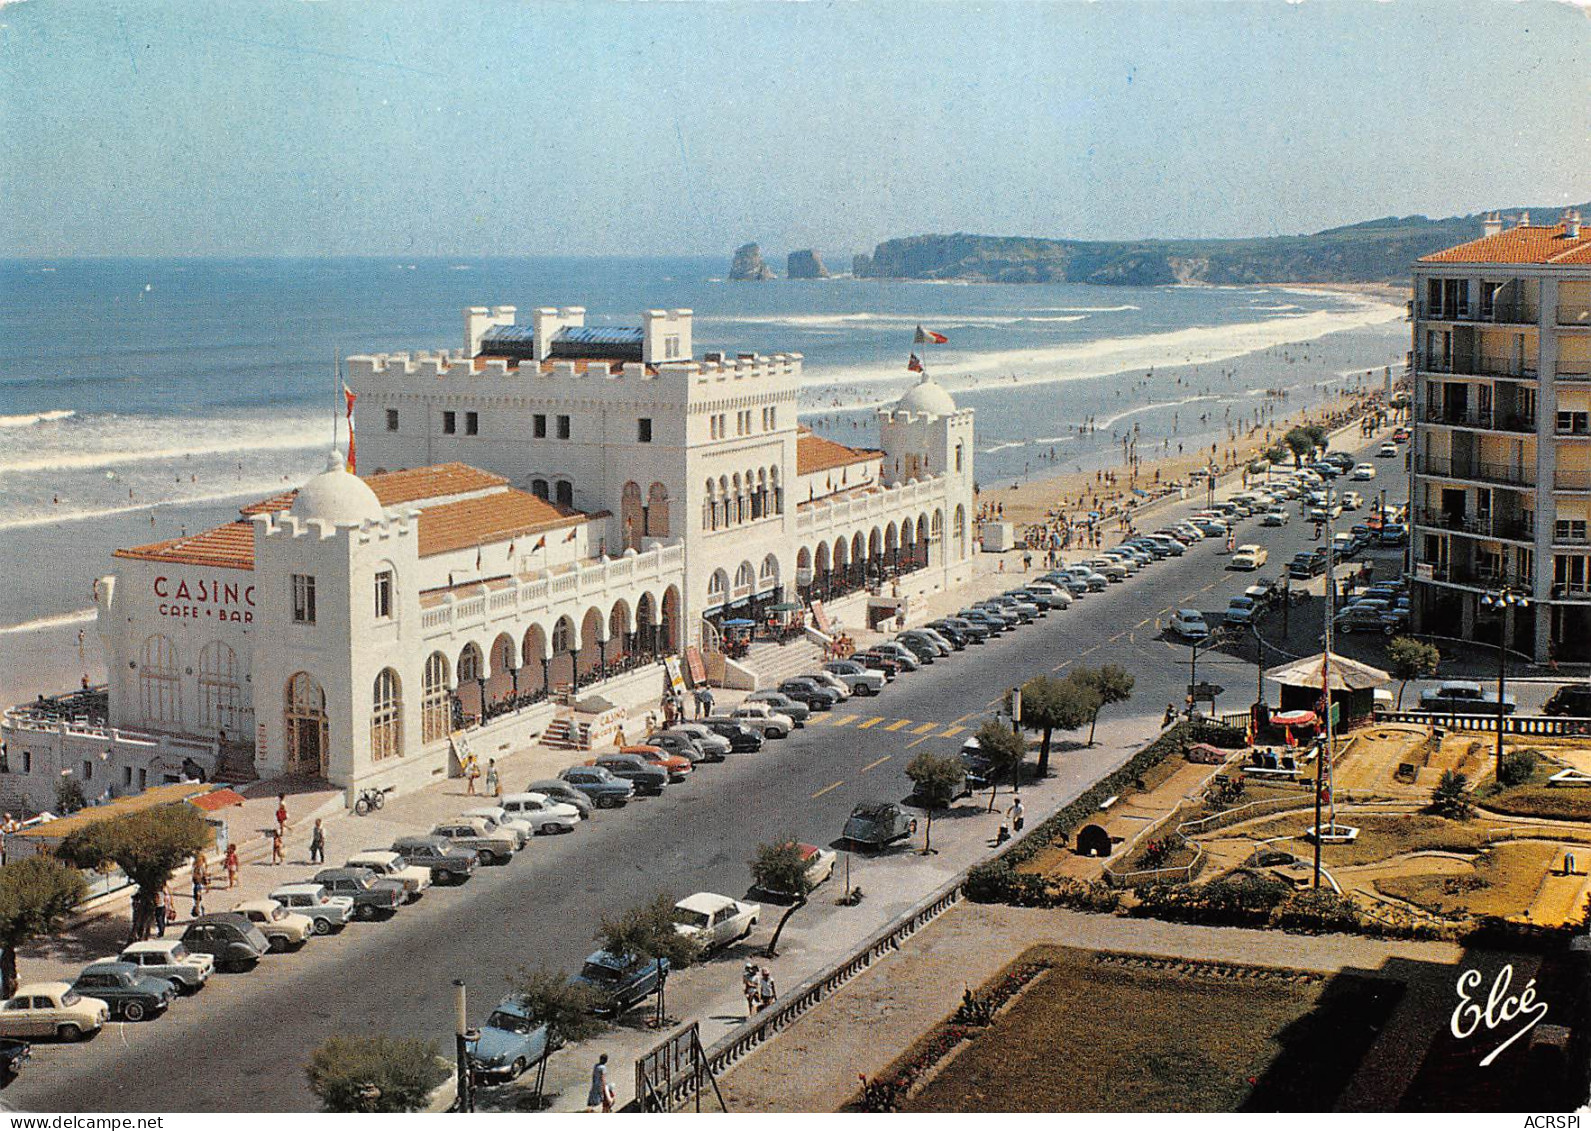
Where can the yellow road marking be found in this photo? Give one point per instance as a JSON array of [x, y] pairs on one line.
[[842, 720], [925, 728], [873, 722], [826, 789], [962, 719], [1141, 623], [951, 732], [877, 762], [899, 724]]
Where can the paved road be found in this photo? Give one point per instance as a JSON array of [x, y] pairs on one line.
[[241, 1043]]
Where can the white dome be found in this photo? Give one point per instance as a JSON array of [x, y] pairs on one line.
[[926, 396], [337, 496]]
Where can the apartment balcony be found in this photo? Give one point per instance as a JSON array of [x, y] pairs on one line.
[[1479, 576], [1480, 525], [1578, 591], [1575, 314], [1507, 313], [1475, 418], [1480, 471], [1476, 367]]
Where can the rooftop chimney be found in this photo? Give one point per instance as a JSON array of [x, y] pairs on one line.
[[1524, 220], [1492, 224], [1571, 223]]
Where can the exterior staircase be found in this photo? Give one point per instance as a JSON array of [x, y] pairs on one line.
[[774, 663]]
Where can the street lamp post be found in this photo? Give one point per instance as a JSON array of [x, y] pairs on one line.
[[461, 1039], [1503, 600]]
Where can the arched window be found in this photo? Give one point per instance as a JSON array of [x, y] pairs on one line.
[[745, 578], [656, 525], [936, 529], [157, 681], [778, 491], [770, 573], [710, 507], [307, 729], [565, 492], [219, 697], [738, 513], [632, 515], [538, 487], [469, 664], [724, 501], [958, 531], [386, 717], [563, 636], [434, 722], [717, 587]]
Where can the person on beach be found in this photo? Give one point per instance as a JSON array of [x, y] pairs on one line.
[[281, 813], [230, 863]]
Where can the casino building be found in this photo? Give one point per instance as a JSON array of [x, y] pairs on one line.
[[548, 513]]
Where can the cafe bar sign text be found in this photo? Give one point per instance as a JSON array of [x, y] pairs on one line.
[[205, 599]]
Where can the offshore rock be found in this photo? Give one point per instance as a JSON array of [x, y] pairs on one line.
[[805, 265], [748, 265]]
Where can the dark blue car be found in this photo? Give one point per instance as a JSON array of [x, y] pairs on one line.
[[620, 980]]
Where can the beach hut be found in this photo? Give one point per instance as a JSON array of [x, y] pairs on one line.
[[1352, 685]]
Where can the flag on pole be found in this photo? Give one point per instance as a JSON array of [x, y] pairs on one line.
[[541, 544], [477, 556], [914, 365], [350, 398], [574, 532], [929, 337]]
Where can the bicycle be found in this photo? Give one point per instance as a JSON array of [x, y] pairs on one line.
[[371, 799]]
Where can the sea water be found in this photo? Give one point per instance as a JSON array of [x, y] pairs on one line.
[[145, 398]]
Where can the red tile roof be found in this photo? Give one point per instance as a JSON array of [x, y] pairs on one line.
[[226, 547], [814, 453], [1538, 244], [491, 518], [394, 488]]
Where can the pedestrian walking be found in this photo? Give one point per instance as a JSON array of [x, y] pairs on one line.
[[766, 993], [707, 700], [165, 910], [276, 846], [317, 844], [230, 863], [1016, 813], [472, 770], [751, 986], [281, 812], [494, 786], [198, 894], [601, 1093]]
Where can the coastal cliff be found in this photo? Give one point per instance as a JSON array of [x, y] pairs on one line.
[[1371, 252], [805, 265], [748, 266]]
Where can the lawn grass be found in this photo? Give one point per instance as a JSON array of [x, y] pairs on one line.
[[1505, 883], [1381, 835], [1535, 798], [1093, 1037]]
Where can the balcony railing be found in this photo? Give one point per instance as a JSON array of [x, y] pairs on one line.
[[1476, 367], [1571, 590], [1476, 418], [1575, 314], [1481, 470], [1572, 375], [1483, 525], [1496, 313], [1571, 479], [1468, 575]]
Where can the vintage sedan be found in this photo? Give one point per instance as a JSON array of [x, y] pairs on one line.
[[326, 913], [282, 928], [605, 790], [619, 981], [235, 943], [373, 896], [439, 855], [562, 793], [131, 994], [509, 1043], [542, 813], [51, 1009], [874, 824], [386, 863], [715, 920], [171, 960], [491, 845], [819, 867]]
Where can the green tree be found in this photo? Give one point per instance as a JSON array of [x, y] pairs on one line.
[[35, 894], [781, 869], [568, 1010], [374, 1074], [1112, 683], [1318, 436], [69, 795], [148, 846], [647, 932], [936, 780], [1451, 799], [1411, 659], [1004, 750], [1300, 444], [1051, 704]]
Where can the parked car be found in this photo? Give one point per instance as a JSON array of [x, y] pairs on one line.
[[605, 790], [763, 718], [562, 793], [445, 860], [873, 824], [959, 638], [498, 819], [676, 742], [1366, 616], [373, 896], [714, 920], [234, 942], [1394, 534], [1250, 556], [1276, 516], [1363, 472], [131, 994], [860, 679], [1051, 595], [1112, 569], [899, 653], [542, 813], [620, 981], [820, 866], [171, 960], [1387, 450], [940, 646], [1240, 611], [642, 774], [1306, 565], [1463, 697], [51, 1009], [806, 690], [1573, 700], [1189, 624], [283, 929], [509, 1043], [922, 650], [385, 862], [742, 739], [781, 703], [975, 633], [326, 913], [1352, 500], [833, 682], [676, 766]]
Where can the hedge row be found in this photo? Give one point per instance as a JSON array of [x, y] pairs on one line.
[[998, 881]]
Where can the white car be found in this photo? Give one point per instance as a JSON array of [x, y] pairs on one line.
[[1189, 624], [1352, 500], [169, 959], [1276, 516], [1112, 569], [1053, 596], [51, 1009], [763, 718], [1387, 450], [282, 928], [497, 817], [715, 920], [1250, 557], [544, 814], [1363, 471], [861, 681], [382, 862], [328, 912], [833, 682]]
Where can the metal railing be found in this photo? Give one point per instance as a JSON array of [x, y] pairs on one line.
[[1485, 718], [1486, 526], [1493, 312], [1476, 367], [1482, 470], [1475, 418]]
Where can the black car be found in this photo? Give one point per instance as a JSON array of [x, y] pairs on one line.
[[975, 632], [131, 994], [809, 691], [447, 862], [1570, 699], [958, 638], [1306, 565], [235, 943], [742, 740], [374, 896], [12, 1054]]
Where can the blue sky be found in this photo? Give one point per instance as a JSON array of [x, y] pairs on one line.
[[275, 127]]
